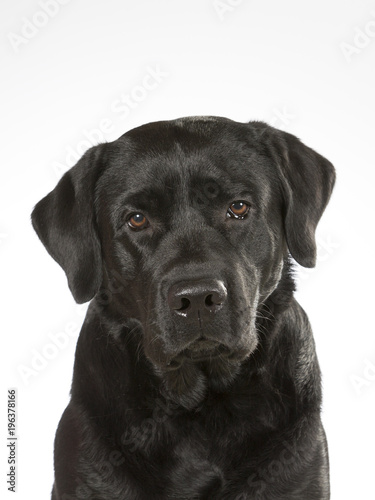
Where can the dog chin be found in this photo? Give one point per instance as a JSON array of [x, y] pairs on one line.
[[188, 375], [187, 381]]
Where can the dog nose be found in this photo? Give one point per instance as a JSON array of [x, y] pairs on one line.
[[197, 298]]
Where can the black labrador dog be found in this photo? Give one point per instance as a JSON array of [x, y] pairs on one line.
[[195, 373]]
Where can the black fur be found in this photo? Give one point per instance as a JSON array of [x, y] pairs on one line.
[[153, 414]]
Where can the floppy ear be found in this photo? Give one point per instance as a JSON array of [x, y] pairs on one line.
[[65, 223], [307, 180]]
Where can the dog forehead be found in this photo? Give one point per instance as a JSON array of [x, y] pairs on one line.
[[186, 135], [160, 181], [190, 157], [192, 146]]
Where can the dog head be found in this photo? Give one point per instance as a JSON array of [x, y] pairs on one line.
[[195, 217]]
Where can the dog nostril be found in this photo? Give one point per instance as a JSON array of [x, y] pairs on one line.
[[214, 301], [208, 301], [185, 303]]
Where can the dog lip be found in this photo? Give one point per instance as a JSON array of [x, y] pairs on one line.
[[174, 364], [203, 344], [200, 350]]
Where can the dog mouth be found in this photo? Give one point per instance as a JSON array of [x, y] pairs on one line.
[[200, 350]]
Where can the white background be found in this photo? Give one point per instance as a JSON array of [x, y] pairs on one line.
[[65, 72]]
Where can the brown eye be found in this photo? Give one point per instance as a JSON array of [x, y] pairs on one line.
[[238, 210], [138, 221]]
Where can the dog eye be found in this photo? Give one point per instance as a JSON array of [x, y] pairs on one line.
[[138, 221], [238, 210]]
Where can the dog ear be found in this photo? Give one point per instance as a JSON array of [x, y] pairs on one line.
[[307, 181], [65, 223]]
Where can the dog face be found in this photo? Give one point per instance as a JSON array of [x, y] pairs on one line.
[[200, 236], [196, 216]]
